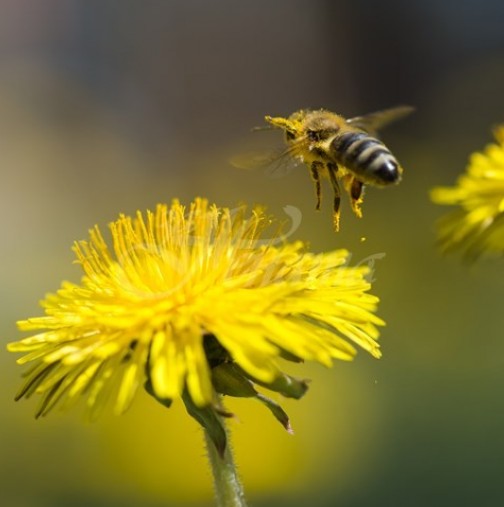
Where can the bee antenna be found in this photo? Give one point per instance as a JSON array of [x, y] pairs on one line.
[[262, 128]]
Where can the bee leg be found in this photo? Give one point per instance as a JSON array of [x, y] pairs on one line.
[[356, 191], [315, 167], [332, 169]]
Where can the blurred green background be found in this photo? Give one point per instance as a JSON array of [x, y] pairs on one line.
[[109, 107]]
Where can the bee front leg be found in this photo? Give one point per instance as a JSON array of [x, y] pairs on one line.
[[315, 168], [332, 169]]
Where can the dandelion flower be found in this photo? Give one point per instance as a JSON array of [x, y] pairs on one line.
[[192, 303], [477, 226]]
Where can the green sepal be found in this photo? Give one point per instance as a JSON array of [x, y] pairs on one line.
[[208, 418], [229, 379], [167, 402], [277, 411], [286, 385], [215, 353], [289, 356]]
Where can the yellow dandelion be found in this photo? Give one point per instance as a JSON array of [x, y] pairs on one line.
[[477, 227], [192, 303]]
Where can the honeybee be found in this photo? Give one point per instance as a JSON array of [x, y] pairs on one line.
[[342, 150]]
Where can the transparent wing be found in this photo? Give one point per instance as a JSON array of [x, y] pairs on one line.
[[375, 121], [274, 160], [254, 159], [275, 163]]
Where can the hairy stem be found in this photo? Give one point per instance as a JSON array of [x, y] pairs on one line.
[[228, 488]]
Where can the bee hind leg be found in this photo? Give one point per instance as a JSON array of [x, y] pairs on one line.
[[315, 167], [332, 169], [355, 189]]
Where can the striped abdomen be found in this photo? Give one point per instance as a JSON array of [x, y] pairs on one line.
[[367, 157]]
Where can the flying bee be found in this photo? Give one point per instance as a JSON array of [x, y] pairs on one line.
[[342, 150]]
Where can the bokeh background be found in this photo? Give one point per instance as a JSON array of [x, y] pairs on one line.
[[109, 107]]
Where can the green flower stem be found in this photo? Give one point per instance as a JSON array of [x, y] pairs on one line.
[[228, 488]]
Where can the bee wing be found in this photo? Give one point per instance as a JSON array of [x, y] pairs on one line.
[[275, 163], [373, 122], [253, 159]]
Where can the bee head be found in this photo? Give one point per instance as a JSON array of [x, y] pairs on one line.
[[320, 126], [292, 128]]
